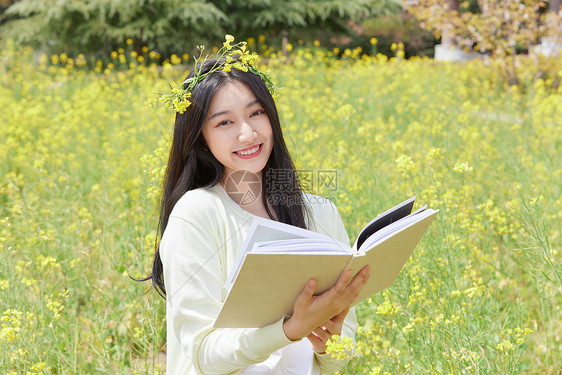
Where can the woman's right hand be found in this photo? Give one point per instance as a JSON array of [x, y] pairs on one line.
[[312, 311]]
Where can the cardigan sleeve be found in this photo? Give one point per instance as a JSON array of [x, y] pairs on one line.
[[192, 277]]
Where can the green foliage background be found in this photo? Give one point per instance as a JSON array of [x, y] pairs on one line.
[[174, 26]]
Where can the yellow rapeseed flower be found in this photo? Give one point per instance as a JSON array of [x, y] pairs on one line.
[[405, 164], [462, 167], [388, 308], [505, 347], [38, 366], [340, 347]]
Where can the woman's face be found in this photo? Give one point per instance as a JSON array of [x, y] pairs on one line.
[[237, 130]]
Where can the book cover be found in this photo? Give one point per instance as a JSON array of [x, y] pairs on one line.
[[267, 279]]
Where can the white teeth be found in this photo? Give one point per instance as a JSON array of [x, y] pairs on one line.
[[251, 151]]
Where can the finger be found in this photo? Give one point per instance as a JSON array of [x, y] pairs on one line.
[[342, 282], [364, 273], [332, 327], [307, 293], [322, 334], [351, 293], [360, 278], [340, 317], [315, 340]]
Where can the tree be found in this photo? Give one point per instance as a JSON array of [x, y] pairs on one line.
[[496, 27], [170, 25], [89, 26], [448, 36]]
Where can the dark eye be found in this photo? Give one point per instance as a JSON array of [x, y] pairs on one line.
[[258, 112], [223, 123]]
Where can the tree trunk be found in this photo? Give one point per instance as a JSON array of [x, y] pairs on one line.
[[447, 37]]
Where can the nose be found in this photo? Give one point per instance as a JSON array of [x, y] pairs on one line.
[[246, 133]]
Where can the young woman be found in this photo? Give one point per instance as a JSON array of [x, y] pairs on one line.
[[231, 125]]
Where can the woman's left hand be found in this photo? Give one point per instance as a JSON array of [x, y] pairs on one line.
[[321, 334]]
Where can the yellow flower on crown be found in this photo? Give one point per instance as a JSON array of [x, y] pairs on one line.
[[229, 56], [229, 39]]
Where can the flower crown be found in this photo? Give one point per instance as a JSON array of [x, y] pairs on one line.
[[229, 56]]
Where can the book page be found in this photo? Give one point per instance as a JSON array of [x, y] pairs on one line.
[[384, 219], [263, 230], [392, 228], [303, 245]]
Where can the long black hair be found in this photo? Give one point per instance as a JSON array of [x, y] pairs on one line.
[[191, 165]]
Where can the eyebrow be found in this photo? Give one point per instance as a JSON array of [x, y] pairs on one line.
[[220, 113]]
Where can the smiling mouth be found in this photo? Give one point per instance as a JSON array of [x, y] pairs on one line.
[[249, 151]]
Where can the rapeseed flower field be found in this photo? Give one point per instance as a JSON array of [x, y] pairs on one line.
[[82, 150]]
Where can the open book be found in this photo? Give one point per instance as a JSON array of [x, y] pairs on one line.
[[276, 260]]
